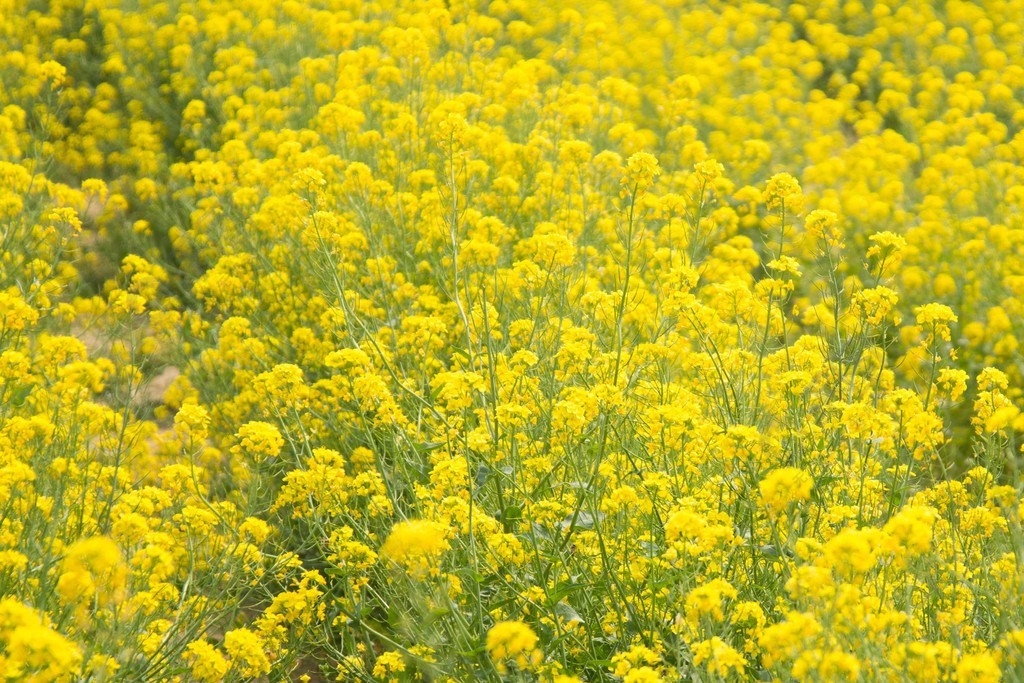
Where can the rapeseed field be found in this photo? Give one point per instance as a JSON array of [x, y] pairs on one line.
[[455, 340]]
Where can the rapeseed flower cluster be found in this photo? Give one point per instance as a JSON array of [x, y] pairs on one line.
[[442, 341]]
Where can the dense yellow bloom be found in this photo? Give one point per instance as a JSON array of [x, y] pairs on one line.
[[978, 668], [852, 551], [259, 440], [92, 569], [643, 674], [911, 530], [641, 171], [654, 340], [15, 314], [953, 382], [782, 191], [30, 650], [718, 657], [636, 658], [785, 486], [708, 170], [513, 642], [936, 319], [52, 72], [416, 545], [707, 602], [875, 305], [246, 653], [194, 419], [208, 665], [822, 224], [389, 666]]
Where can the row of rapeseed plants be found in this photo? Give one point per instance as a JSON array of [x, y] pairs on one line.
[[520, 341]]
